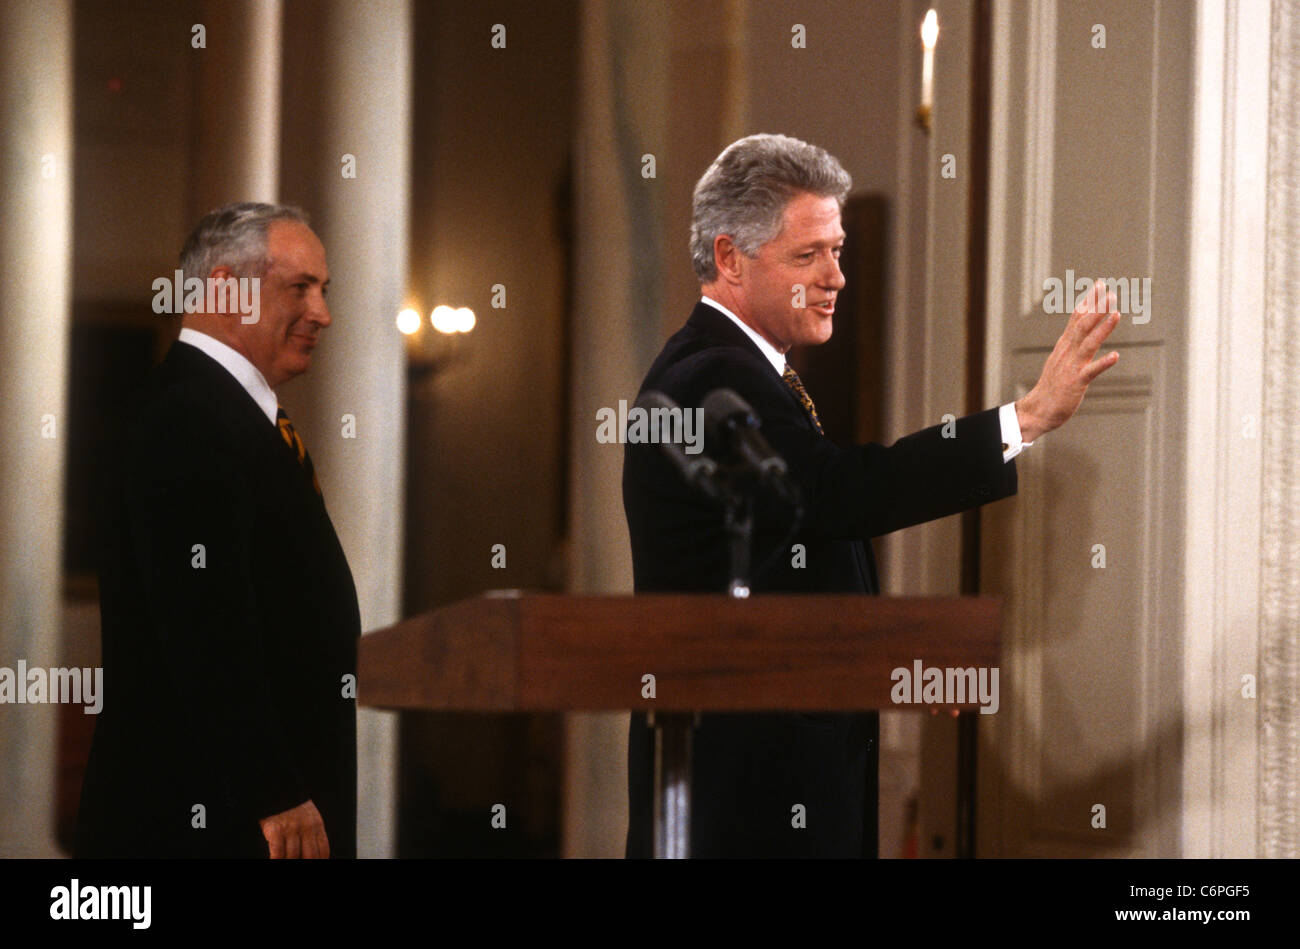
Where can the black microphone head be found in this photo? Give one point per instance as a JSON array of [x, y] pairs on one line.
[[699, 470], [725, 414], [731, 429], [724, 407], [653, 399]]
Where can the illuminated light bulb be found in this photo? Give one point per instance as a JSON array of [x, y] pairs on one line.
[[464, 319], [408, 321], [444, 319]]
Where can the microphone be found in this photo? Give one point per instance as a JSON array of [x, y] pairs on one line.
[[699, 471], [732, 428]]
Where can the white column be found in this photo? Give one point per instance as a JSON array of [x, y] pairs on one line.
[[618, 311], [352, 404], [1279, 651], [237, 99], [35, 291], [1225, 368]]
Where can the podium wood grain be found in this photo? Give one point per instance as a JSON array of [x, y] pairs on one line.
[[552, 652]]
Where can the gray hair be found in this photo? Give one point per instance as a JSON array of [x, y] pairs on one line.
[[234, 236], [746, 189]]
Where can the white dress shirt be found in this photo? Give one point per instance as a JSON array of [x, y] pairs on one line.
[[237, 364], [1012, 439]]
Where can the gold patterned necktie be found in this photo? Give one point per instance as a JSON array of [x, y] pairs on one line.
[[294, 441], [791, 378]]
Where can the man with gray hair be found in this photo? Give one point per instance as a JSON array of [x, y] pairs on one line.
[[229, 614], [766, 238]]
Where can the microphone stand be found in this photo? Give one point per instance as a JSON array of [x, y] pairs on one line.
[[673, 730], [739, 525]]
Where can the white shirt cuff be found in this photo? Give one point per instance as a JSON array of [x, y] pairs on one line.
[[1013, 442]]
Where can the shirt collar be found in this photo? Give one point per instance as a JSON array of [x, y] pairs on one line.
[[774, 356], [237, 364]]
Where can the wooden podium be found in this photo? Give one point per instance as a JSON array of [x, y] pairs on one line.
[[525, 652]]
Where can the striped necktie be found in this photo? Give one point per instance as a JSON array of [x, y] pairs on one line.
[[791, 378], [294, 441]]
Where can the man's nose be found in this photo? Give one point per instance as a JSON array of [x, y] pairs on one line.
[[319, 311], [832, 276]]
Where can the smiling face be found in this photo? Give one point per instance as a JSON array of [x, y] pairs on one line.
[[764, 290], [293, 309]]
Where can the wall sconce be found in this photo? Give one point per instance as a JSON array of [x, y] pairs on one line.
[[435, 344], [929, 38]]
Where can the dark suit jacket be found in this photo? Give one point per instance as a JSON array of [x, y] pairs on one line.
[[750, 770], [224, 684]]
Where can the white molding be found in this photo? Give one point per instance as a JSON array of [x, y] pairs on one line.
[[1279, 673], [996, 227], [1225, 372], [1022, 136], [1031, 832], [898, 337], [1040, 153], [1153, 146]]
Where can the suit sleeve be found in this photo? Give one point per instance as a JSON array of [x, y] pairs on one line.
[[864, 491], [185, 488]]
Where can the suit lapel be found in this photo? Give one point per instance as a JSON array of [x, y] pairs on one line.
[[230, 400], [234, 402], [708, 321]]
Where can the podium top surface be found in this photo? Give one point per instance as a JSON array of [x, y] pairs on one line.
[[551, 652]]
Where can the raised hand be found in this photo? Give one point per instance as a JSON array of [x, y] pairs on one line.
[[1071, 366]]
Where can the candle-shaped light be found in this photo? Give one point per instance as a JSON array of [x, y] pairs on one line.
[[929, 37]]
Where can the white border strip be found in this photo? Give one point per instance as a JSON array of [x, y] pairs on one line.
[[1224, 372]]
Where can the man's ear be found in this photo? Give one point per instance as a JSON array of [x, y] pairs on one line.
[[728, 259]]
